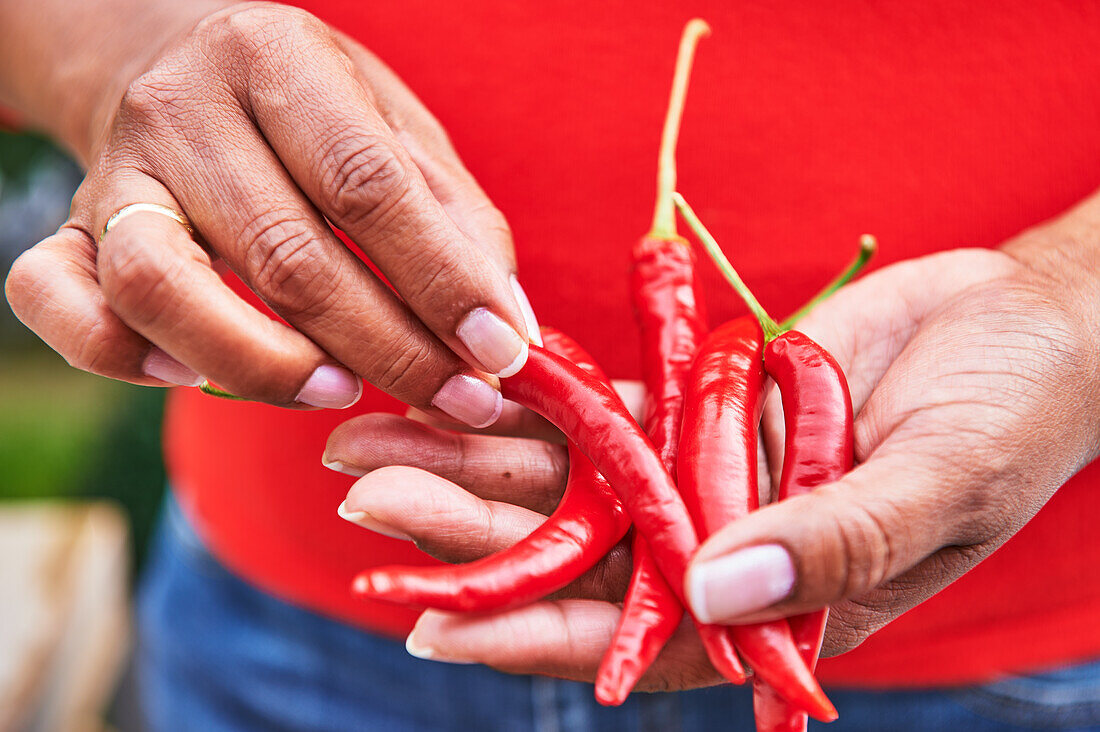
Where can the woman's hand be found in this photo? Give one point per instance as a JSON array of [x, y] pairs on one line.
[[263, 125], [975, 378], [463, 496]]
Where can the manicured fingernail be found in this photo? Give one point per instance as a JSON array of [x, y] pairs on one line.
[[331, 387], [365, 520], [493, 342], [748, 580], [528, 312], [339, 467], [418, 649], [160, 365], [469, 399]]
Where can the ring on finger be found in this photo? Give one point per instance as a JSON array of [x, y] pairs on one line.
[[156, 208]]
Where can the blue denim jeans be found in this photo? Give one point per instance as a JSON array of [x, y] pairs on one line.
[[216, 654]]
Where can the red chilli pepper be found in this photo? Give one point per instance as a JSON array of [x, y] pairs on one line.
[[591, 415], [818, 413], [672, 324], [670, 317], [717, 471], [587, 523], [819, 449]]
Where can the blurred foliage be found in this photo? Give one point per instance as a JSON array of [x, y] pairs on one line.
[[65, 433], [21, 153]]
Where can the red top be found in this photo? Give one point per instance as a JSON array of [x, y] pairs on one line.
[[934, 125]]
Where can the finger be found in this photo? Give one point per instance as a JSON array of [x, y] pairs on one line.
[[283, 249], [160, 282], [837, 543], [565, 639], [514, 421], [52, 289], [441, 518], [429, 146], [518, 421], [455, 526], [526, 473], [346, 159]]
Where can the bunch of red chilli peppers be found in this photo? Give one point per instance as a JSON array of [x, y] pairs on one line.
[[689, 472]]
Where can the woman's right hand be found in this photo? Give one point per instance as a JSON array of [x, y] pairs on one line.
[[262, 125]]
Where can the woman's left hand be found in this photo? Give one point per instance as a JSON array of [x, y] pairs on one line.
[[462, 496]]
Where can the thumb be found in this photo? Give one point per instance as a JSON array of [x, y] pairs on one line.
[[815, 550]]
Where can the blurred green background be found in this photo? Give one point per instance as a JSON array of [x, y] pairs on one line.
[[65, 433]]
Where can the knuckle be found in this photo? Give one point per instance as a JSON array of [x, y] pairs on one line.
[[254, 27], [288, 265], [864, 550], [21, 285], [400, 369], [493, 222], [367, 180], [436, 270], [98, 350], [154, 99]]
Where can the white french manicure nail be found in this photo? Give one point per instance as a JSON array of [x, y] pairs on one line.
[[469, 399], [528, 312], [416, 649], [160, 365], [494, 343], [331, 387], [748, 580], [339, 467], [365, 520]]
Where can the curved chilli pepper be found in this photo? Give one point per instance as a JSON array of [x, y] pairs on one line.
[[587, 523], [717, 470], [592, 416], [819, 441]]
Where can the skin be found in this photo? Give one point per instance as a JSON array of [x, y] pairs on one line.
[[259, 123], [975, 378]]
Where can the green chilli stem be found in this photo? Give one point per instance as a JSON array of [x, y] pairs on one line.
[[207, 388], [770, 327], [868, 245], [664, 214]]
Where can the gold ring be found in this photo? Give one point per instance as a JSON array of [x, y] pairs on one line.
[[156, 208]]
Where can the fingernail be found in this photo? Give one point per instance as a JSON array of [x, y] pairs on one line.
[[331, 387], [418, 649], [493, 342], [365, 520], [728, 587], [469, 399], [339, 467], [160, 365], [528, 312]]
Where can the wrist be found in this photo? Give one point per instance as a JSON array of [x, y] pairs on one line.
[[1066, 252], [64, 66]]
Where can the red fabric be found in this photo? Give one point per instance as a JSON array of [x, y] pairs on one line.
[[934, 125]]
